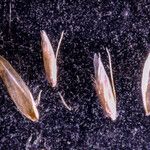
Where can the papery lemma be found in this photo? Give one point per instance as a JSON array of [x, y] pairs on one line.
[[146, 85], [18, 90], [105, 90], [49, 58]]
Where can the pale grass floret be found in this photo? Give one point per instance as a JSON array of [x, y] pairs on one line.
[[146, 86], [105, 90], [49, 58]]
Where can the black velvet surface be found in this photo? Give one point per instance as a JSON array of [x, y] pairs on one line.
[[90, 26]]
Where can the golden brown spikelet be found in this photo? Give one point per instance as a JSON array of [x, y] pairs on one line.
[[18, 90]]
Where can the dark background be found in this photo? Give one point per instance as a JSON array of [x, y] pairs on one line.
[[90, 26]]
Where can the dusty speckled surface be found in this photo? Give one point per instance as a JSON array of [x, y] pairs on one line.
[[90, 26]]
